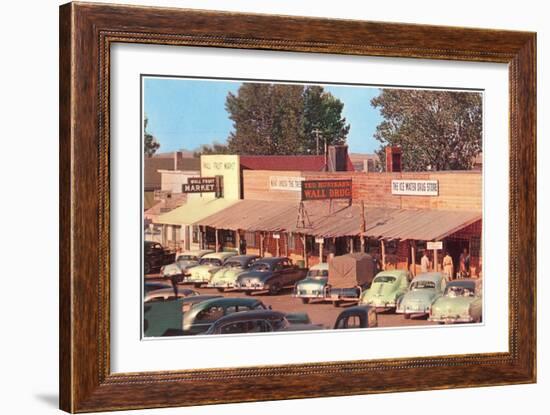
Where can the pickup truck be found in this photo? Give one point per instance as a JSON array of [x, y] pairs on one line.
[[155, 256]]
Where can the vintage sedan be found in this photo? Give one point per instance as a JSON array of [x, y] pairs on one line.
[[313, 285], [386, 289], [201, 316], [258, 321], [271, 275], [184, 261], [167, 294], [208, 266], [357, 317], [423, 291], [461, 303], [233, 267]]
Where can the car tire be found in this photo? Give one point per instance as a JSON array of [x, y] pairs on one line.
[[197, 285], [305, 300], [248, 292], [336, 303], [274, 288], [407, 316], [220, 290]]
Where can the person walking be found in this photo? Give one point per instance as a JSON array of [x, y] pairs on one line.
[[464, 264], [448, 266], [424, 262]]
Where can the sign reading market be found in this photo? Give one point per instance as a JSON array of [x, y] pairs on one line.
[[415, 187], [326, 189], [200, 185]]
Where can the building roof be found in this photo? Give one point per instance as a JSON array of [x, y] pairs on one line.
[[194, 210], [301, 163], [171, 202], [151, 166], [323, 220]]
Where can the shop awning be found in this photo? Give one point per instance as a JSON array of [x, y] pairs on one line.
[[193, 211], [322, 219]]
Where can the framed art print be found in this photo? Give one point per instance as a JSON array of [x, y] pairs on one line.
[[276, 207]]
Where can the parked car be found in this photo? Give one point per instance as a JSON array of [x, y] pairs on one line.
[[167, 294], [348, 276], [357, 317], [423, 291], [461, 303], [257, 321], [184, 261], [155, 285], [155, 256], [313, 285], [271, 275], [201, 316], [225, 277], [164, 318], [386, 289], [208, 265]]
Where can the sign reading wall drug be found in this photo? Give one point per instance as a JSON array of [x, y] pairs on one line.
[[326, 189], [415, 187]]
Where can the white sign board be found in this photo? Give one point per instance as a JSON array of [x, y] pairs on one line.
[[285, 183], [276, 236], [415, 187], [319, 240], [434, 245]]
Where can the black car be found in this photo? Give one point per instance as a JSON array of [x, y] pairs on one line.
[[271, 275], [358, 317], [155, 256]]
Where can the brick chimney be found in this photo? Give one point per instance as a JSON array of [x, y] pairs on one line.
[[393, 159], [337, 158], [178, 159]]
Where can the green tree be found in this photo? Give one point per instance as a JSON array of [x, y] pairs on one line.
[[438, 130], [150, 144], [283, 119], [323, 120], [214, 148]]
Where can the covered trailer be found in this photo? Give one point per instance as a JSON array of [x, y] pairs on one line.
[[348, 276]]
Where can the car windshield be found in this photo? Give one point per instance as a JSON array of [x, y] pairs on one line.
[[422, 284], [317, 273], [211, 261], [233, 264], [261, 266], [187, 258], [384, 279], [459, 291]]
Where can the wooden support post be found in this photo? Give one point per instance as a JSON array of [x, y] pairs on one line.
[[383, 251], [363, 226], [413, 258], [287, 236], [217, 240], [436, 262], [262, 253], [321, 250], [278, 248], [306, 262], [237, 240], [350, 243]]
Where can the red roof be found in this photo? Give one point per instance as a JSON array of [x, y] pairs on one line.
[[300, 163]]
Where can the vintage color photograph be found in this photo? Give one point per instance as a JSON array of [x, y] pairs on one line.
[[295, 206]]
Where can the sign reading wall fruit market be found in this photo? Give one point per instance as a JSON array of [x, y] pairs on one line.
[[285, 183], [415, 187], [326, 189], [201, 185]]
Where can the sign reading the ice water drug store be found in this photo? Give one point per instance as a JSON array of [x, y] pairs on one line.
[[326, 189], [415, 187]]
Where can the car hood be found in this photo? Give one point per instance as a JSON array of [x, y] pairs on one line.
[[424, 296], [255, 275], [187, 264], [454, 304], [227, 273], [202, 268], [380, 290], [312, 283]]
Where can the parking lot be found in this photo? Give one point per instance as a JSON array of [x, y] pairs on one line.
[[319, 312]]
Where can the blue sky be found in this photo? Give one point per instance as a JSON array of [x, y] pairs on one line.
[[185, 113]]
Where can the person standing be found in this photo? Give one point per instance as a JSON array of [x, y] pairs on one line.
[[242, 246], [448, 266], [464, 264], [424, 262]]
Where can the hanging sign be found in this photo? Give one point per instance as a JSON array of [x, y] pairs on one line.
[[326, 189]]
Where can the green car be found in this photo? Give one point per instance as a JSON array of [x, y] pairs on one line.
[[386, 289], [208, 266], [313, 285], [226, 276], [461, 303]]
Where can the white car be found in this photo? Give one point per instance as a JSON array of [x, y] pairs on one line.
[[184, 261]]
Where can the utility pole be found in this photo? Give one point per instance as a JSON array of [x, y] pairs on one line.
[[363, 226], [316, 131]]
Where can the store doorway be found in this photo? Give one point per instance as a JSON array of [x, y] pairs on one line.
[[455, 247]]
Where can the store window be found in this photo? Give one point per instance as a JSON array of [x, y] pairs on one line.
[[196, 233], [250, 238]]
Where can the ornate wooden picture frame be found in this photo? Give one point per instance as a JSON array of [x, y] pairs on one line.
[[87, 32]]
